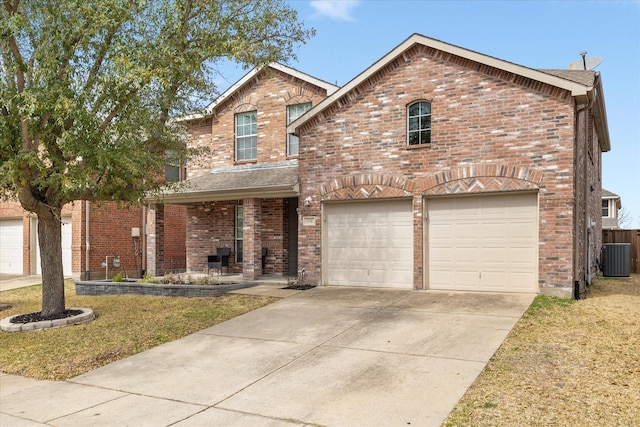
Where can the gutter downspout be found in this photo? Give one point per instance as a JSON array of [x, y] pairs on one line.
[[87, 245], [143, 242]]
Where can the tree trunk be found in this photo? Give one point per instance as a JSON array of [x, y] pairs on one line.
[[50, 242]]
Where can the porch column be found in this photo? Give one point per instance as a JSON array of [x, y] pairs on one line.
[[155, 240], [252, 239]]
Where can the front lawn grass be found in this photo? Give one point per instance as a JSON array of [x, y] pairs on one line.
[[124, 325], [565, 363]]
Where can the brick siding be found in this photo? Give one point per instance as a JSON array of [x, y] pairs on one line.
[[492, 131], [212, 224]]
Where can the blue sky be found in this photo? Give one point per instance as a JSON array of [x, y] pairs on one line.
[[351, 35]]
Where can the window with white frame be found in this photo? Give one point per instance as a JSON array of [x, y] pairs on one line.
[[419, 123], [605, 209], [173, 168], [293, 112], [239, 233], [247, 136]]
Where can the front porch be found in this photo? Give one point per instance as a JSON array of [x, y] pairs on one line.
[[249, 211]]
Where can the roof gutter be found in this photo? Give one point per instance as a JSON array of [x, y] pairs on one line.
[[191, 197]]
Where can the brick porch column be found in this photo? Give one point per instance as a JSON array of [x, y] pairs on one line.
[[155, 240], [252, 239]]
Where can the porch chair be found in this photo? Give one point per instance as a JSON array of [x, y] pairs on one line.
[[219, 260]]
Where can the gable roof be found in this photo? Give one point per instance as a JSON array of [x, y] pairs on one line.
[[583, 77], [584, 85], [208, 110]]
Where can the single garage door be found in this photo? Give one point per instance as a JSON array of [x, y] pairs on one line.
[[368, 244], [11, 246], [66, 248], [483, 243]]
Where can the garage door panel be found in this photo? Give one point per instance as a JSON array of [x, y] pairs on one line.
[[66, 236], [483, 243], [493, 231], [368, 244], [11, 247]]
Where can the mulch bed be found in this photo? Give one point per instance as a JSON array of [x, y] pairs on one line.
[[38, 317], [299, 287]]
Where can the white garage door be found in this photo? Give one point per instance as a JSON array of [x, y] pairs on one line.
[[66, 248], [368, 244], [11, 246], [484, 243]]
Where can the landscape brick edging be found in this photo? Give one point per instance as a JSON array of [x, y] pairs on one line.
[[85, 316], [119, 288]]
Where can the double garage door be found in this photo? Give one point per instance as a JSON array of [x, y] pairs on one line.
[[478, 243], [11, 246]]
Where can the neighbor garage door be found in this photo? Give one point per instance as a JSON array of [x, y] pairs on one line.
[[483, 243], [11, 246], [368, 244], [66, 248]]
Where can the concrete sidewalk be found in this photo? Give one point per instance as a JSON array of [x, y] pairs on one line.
[[327, 356], [14, 281]]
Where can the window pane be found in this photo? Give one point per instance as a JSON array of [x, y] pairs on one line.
[[239, 250], [414, 110], [414, 123], [413, 138], [171, 173], [425, 137], [425, 122], [292, 149]]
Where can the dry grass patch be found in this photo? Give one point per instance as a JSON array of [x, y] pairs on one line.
[[124, 325], [565, 363]]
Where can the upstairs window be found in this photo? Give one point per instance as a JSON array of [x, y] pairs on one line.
[[173, 169], [605, 208], [293, 112], [419, 123], [247, 136]]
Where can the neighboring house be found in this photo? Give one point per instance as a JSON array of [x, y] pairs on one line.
[[243, 193], [442, 168], [91, 235], [611, 204]]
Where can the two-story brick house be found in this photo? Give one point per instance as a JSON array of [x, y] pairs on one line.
[[443, 168], [242, 193]]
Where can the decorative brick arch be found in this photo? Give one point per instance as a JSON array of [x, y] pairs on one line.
[[296, 97], [481, 179], [245, 104], [366, 186]]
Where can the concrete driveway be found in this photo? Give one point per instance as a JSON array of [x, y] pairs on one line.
[[327, 356]]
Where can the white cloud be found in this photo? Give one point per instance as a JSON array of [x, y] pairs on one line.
[[335, 9]]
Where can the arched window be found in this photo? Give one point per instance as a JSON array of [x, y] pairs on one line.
[[419, 123]]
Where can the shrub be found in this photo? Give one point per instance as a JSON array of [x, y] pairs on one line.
[[148, 278], [118, 277]]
